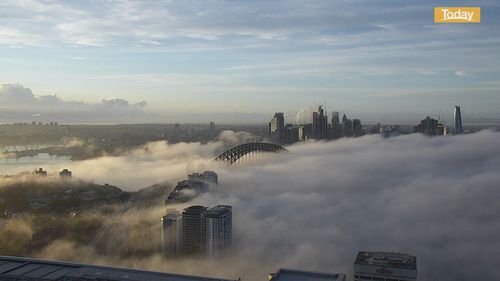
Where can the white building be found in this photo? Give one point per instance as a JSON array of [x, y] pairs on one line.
[[218, 230], [171, 233], [383, 266]]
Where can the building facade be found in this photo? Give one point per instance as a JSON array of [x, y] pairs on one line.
[[218, 230], [457, 117], [346, 127], [193, 227], [277, 128], [430, 127], [207, 230], [335, 130], [211, 131], [357, 128], [172, 233], [320, 124], [385, 266]]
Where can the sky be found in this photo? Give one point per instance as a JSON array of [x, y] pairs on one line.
[[193, 60], [312, 208]]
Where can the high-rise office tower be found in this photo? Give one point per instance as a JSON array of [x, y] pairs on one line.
[[385, 267], [218, 230], [210, 177], [306, 132], [277, 128], [457, 116], [336, 128], [177, 128], [301, 133], [357, 128], [193, 228], [430, 127], [291, 134], [320, 124], [346, 127], [171, 233], [335, 118], [211, 131]]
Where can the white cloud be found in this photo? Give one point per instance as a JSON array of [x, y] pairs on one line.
[[461, 73], [20, 104], [106, 23]]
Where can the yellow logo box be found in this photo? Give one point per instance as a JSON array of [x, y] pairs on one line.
[[457, 14]]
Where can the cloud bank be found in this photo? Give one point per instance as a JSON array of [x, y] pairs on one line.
[[154, 162], [315, 207], [18, 103]]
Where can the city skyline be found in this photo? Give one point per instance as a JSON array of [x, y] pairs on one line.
[[118, 111], [177, 61]]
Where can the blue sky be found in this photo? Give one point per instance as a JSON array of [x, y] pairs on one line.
[[374, 59]]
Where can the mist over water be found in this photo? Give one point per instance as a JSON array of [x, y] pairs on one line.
[[11, 166], [315, 207]]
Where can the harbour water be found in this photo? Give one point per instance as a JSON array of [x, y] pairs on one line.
[[12, 166]]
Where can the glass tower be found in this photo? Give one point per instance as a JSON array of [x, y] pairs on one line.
[[458, 121]]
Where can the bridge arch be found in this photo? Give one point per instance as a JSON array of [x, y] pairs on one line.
[[232, 155]]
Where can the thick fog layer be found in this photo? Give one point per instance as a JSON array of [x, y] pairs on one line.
[[154, 162], [315, 207]]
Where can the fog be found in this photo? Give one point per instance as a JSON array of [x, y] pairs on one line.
[[315, 207], [154, 162]]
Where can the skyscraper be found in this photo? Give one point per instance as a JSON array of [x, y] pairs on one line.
[[336, 128], [218, 230], [320, 124], [193, 224], [171, 233], [305, 132], [211, 131], [291, 134], [177, 128], [430, 127], [357, 128], [457, 116], [346, 128], [210, 177], [277, 128], [206, 231]]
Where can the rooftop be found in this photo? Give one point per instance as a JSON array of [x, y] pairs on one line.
[[34, 269], [218, 209], [397, 260], [195, 209], [284, 274]]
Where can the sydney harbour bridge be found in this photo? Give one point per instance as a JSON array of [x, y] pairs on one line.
[[238, 153]]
